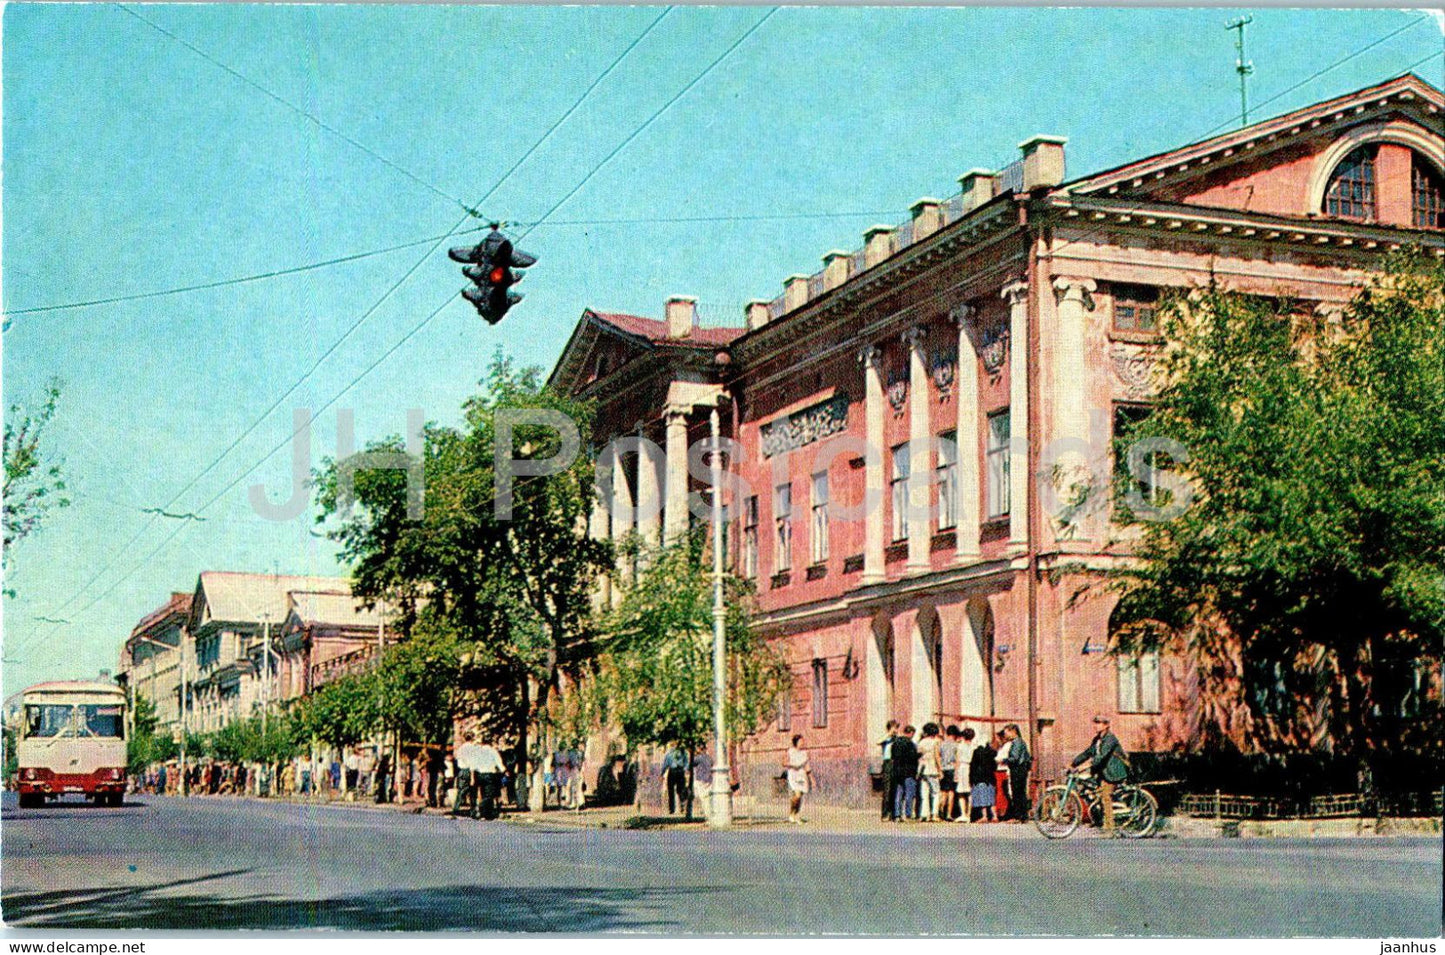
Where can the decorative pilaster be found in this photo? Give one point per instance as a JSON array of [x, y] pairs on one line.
[[1071, 408], [873, 402], [920, 451], [1017, 296], [966, 398], [675, 509]]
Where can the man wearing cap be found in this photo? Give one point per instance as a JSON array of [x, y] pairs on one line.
[[1107, 764]]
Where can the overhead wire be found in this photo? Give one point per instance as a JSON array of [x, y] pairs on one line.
[[425, 321], [450, 232]]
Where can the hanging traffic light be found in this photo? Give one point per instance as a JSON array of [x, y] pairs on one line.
[[491, 265]]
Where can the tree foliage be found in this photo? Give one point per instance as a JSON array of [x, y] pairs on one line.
[[1309, 571], [34, 482], [510, 597], [654, 677]]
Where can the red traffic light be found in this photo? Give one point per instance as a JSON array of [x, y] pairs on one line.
[[498, 276]]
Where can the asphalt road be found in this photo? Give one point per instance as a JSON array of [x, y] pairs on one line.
[[219, 863]]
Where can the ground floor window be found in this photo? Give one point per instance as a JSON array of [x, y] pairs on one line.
[[1139, 683]]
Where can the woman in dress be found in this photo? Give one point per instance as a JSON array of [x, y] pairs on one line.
[[800, 777], [981, 769]]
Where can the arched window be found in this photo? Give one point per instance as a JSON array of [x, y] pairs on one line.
[[1351, 192], [1427, 195]]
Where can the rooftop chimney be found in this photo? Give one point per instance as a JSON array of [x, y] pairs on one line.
[[927, 217], [795, 291], [835, 268], [681, 316], [1043, 161], [978, 186], [757, 313], [877, 245]]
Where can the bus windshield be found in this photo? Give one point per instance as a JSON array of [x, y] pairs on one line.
[[47, 719], [99, 719]]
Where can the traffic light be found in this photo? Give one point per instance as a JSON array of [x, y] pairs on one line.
[[490, 265]]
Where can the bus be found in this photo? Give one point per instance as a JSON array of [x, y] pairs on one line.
[[71, 739]]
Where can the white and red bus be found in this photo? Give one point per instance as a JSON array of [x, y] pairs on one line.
[[71, 739]]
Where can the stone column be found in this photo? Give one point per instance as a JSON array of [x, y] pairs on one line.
[[622, 522], [873, 402], [649, 496], [965, 395], [675, 509], [920, 452], [1017, 296]]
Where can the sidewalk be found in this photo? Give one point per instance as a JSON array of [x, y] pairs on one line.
[[842, 820]]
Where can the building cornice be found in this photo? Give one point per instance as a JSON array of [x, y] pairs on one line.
[[1205, 224]]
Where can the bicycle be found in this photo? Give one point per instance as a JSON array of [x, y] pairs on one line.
[[1062, 808]]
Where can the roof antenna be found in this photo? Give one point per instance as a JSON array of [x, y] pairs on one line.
[[1241, 66]]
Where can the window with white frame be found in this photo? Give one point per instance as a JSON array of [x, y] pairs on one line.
[[783, 522], [996, 460], [899, 492], [818, 530], [1139, 682], [750, 537], [820, 693], [947, 481]]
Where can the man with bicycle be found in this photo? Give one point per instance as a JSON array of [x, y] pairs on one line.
[[1107, 764]]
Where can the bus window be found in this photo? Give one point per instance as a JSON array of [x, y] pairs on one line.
[[46, 719], [100, 719]]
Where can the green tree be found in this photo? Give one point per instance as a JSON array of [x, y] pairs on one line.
[[512, 594], [340, 713], [654, 678], [145, 746], [1308, 572], [34, 482]]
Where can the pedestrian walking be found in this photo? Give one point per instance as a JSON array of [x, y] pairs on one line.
[[967, 745], [489, 770], [469, 759], [800, 777], [675, 767], [930, 772]]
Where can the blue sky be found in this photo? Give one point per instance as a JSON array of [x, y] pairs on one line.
[[135, 161]]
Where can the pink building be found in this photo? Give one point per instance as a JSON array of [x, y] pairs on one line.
[[1000, 334]]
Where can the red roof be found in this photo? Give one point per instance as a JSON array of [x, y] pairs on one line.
[[180, 603], [656, 332]]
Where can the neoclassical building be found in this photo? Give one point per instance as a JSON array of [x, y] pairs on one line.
[[902, 418]]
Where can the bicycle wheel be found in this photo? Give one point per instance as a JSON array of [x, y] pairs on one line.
[[1135, 812], [1058, 813]]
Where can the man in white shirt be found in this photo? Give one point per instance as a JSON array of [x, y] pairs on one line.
[[489, 769], [470, 757]]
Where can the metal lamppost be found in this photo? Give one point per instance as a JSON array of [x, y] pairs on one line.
[[720, 808]]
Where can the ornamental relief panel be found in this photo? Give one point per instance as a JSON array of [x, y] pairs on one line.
[[898, 390], [804, 427], [944, 367], [1133, 365]]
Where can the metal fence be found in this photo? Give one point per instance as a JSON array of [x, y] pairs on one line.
[[1220, 805]]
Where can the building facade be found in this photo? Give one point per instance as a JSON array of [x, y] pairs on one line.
[[150, 660], [912, 423], [246, 641]]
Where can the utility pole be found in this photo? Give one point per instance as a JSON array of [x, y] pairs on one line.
[[185, 708], [720, 807], [265, 669], [1241, 66]]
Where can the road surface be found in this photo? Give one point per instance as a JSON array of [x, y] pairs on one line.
[[220, 863]]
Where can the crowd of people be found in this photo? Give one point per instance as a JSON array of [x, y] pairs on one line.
[[952, 775]]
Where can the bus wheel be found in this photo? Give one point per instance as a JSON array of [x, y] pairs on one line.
[[31, 800]]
